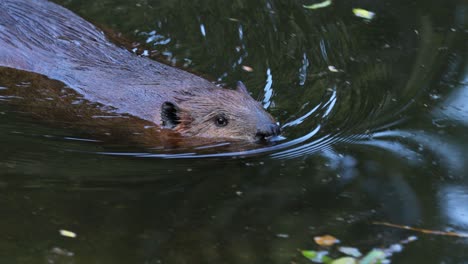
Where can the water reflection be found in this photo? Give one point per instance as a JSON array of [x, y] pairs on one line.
[[268, 89], [449, 153], [452, 203], [454, 107]]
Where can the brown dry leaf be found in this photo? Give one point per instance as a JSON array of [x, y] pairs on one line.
[[326, 240]]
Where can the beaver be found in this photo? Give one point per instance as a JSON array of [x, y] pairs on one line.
[[44, 38]]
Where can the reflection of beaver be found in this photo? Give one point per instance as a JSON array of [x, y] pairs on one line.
[[42, 37]]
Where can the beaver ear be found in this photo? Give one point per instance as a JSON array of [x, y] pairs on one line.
[[241, 88], [169, 115]]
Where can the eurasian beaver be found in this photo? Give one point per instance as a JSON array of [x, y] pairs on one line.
[[42, 37]]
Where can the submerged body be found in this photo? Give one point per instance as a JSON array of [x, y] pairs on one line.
[[42, 37]]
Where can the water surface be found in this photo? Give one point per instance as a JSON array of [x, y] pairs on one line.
[[374, 115]]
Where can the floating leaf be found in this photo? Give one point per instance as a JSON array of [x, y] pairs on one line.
[[326, 240], [316, 256], [350, 251], [247, 68], [318, 5], [359, 12], [332, 68], [67, 233], [310, 254], [345, 260], [374, 257]]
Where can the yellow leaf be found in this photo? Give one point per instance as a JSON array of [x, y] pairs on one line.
[[67, 233], [318, 5], [359, 12]]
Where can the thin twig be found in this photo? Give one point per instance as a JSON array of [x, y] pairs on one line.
[[421, 230]]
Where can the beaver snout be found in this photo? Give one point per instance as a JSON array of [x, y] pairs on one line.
[[267, 132]]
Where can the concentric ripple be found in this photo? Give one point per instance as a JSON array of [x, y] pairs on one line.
[[328, 81]]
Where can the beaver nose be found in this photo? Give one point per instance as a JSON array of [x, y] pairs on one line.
[[268, 131]]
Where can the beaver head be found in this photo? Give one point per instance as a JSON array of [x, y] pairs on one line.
[[219, 113]]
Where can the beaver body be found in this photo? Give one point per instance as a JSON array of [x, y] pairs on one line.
[[42, 37]]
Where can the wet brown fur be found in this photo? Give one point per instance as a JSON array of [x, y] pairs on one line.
[[42, 37], [52, 102], [243, 115]]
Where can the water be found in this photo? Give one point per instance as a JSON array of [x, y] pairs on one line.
[[374, 116]]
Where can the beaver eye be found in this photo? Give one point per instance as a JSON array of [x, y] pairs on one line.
[[221, 121]]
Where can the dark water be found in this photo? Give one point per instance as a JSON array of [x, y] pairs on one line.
[[374, 114]]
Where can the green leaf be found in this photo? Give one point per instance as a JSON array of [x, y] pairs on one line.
[[310, 254], [317, 256], [374, 257], [345, 260]]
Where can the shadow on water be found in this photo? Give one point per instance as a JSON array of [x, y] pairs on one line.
[[374, 120]]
